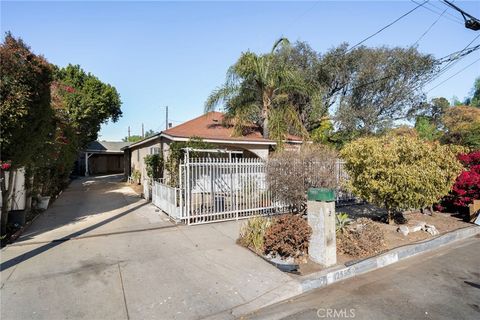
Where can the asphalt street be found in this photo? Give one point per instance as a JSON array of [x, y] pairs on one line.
[[443, 284]]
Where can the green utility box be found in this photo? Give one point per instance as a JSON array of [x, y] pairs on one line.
[[321, 194]]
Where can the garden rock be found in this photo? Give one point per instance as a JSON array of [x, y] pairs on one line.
[[416, 228], [431, 229], [404, 230], [421, 224]]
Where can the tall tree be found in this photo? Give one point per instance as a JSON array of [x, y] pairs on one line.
[[25, 111], [373, 87], [91, 102], [257, 90], [305, 61]]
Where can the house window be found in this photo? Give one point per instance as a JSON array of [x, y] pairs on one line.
[[154, 150], [138, 155]]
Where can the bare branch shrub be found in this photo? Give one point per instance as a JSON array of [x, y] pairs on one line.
[[364, 238], [290, 173]]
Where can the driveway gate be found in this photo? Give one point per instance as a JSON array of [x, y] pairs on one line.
[[221, 189]]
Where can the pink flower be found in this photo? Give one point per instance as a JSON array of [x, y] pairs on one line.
[[6, 166]]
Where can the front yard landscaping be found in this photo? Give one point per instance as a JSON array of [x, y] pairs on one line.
[[362, 238]]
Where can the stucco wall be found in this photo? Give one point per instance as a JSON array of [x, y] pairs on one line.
[[138, 154]]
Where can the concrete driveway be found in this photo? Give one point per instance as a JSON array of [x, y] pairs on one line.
[[101, 252]]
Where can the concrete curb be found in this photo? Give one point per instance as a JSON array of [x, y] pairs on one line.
[[329, 276]]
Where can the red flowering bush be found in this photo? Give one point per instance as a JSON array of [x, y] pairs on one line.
[[5, 166], [470, 159], [467, 185]]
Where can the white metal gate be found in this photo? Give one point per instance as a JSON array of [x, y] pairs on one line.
[[220, 189]]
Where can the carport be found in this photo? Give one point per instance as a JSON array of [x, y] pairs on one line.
[[102, 157]]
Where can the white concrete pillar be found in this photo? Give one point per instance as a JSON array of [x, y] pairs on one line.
[[323, 245]]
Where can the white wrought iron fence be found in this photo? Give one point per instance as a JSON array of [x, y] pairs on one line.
[[220, 189], [166, 198]]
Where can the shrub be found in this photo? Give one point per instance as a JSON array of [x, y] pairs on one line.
[[252, 233], [136, 175], [290, 173], [467, 185], [154, 166], [363, 239], [400, 172], [288, 236]]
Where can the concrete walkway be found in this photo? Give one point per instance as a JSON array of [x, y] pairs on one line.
[[124, 260]]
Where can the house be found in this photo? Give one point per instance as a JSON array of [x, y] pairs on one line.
[[101, 157], [209, 127]]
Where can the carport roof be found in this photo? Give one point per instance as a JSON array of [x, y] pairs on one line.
[[106, 147]]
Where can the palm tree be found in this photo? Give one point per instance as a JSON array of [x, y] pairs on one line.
[[257, 91]]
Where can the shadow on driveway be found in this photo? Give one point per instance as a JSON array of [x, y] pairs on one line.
[[30, 254]]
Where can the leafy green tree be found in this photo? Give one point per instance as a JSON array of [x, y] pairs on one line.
[[257, 90], [373, 87], [323, 133], [25, 111], [400, 171], [305, 61], [426, 129], [475, 99], [133, 138], [52, 166], [433, 111], [91, 102], [462, 126]]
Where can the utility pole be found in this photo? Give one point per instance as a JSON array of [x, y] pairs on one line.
[[143, 132], [166, 117], [128, 133]]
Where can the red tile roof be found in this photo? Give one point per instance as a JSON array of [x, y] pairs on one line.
[[210, 126]]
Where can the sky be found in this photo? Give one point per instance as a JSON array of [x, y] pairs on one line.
[[174, 54]]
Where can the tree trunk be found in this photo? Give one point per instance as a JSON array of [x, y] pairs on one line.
[[28, 191], [390, 219], [266, 99], [265, 128]]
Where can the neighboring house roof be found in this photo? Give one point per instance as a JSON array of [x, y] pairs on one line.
[[210, 128], [106, 146]]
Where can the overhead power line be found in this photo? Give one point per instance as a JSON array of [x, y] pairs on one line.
[[470, 21], [429, 28], [453, 75], [453, 58], [388, 25], [428, 6]]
